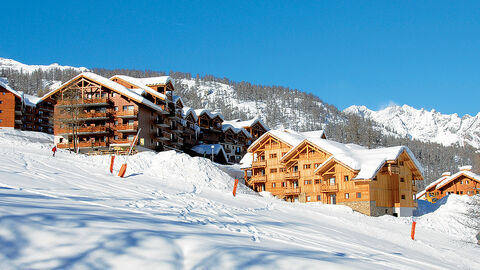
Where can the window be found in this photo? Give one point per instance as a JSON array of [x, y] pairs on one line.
[[403, 197], [359, 195], [283, 153], [1, 101], [116, 108], [375, 178], [273, 170], [308, 198], [402, 179], [308, 182], [128, 108], [316, 165], [273, 185], [332, 181], [400, 163], [346, 178], [1, 120], [282, 169], [113, 94], [284, 184], [317, 182], [1, 111], [273, 155], [466, 182], [319, 197], [306, 166], [347, 196]]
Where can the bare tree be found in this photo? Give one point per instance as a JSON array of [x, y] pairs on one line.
[[70, 114]]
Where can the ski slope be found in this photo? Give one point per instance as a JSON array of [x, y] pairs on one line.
[[172, 211]]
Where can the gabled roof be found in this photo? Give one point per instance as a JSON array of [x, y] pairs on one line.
[[178, 98], [238, 123], [160, 80], [451, 178], [366, 161], [4, 84], [31, 100], [120, 89], [206, 149], [186, 111], [138, 83], [210, 114], [287, 136], [235, 130]]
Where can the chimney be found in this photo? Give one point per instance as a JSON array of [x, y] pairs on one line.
[[465, 168], [446, 174]]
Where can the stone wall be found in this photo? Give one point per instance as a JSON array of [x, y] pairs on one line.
[[369, 208]]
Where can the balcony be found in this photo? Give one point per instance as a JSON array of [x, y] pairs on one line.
[[258, 179], [259, 163], [329, 188], [292, 175], [126, 128], [84, 102], [161, 123], [83, 145], [84, 130], [93, 116], [127, 114], [292, 191], [18, 110], [162, 137], [121, 142]]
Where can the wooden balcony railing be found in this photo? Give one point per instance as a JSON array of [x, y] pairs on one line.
[[328, 188], [121, 141], [82, 144], [259, 163], [126, 128], [292, 175], [83, 102], [84, 130], [292, 191], [127, 114], [258, 179]]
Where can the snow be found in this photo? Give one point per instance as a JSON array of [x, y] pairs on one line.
[[423, 125], [235, 130], [4, 84], [173, 211], [157, 80], [31, 100], [206, 149], [238, 123], [246, 161], [210, 114], [188, 110], [15, 65]]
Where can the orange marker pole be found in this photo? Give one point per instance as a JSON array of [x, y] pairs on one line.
[[235, 188], [414, 224], [112, 159], [121, 173]]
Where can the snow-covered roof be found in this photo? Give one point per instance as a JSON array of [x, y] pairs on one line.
[[246, 161], [314, 133], [178, 98], [157, 80], [445, 179], [206, 149], [210, 114], [238, 123], [30, 100], [188, 110], [4, 84], [235, 130], [366, 161], [111, 85], [448, 179], [138, 83]]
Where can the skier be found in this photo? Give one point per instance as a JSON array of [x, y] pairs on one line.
[[54, 149]]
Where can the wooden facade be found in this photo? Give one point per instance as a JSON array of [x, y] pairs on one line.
[[307, 173], [464, 182]]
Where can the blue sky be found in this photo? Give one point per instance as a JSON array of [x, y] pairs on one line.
[[421, 53]]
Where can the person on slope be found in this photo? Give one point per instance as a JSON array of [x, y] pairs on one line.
[[54, 149]]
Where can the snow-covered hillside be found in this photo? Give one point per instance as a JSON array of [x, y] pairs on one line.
[[173, 211], [6, 63], [427, 126]]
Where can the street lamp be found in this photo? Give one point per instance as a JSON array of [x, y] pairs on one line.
[[212, 151]]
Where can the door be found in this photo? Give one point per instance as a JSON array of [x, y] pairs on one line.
[[333, 199]]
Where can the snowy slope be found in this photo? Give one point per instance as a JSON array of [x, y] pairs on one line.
[[173, 211], [427, 126], [6, 63]]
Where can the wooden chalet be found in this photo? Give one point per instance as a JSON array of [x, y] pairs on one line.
[[108, 112], [210, 124], [255, 127], [464, 182], [306, 167], [23, 111], [191, 129]]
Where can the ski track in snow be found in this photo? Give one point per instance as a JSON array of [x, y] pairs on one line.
[[201, 226]]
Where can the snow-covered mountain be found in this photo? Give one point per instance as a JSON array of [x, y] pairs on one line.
[[424, 125], [172, 211], [15, 65]]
